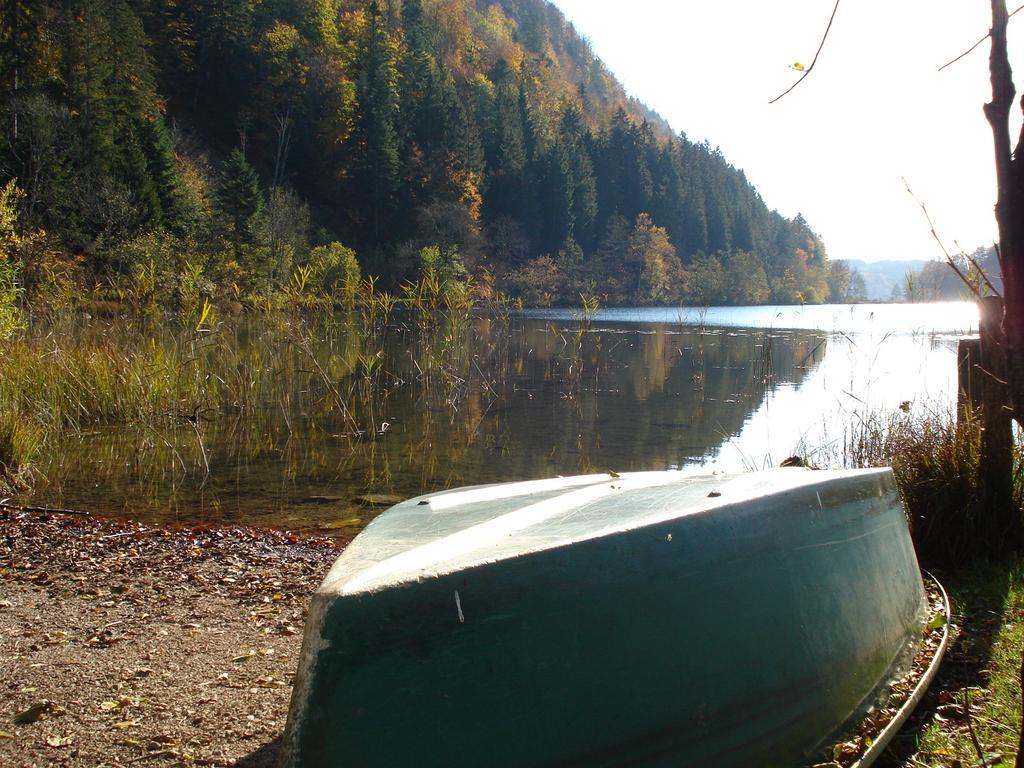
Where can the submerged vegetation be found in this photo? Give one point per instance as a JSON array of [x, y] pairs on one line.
[[386, 398]]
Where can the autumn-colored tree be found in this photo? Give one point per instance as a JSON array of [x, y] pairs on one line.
[[10, 290], [650, 258], [491, 127]]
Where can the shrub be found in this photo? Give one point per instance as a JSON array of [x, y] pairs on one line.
[[10, 314], [337, 271]]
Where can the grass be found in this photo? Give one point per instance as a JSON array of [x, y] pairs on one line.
[[62, 376], [20, 442], [935, 458], [972, 714]]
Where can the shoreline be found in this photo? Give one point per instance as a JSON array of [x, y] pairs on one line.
[[125, 643]]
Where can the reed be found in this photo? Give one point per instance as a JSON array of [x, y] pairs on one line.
[[68, 379], [20, 442], [935, 458]]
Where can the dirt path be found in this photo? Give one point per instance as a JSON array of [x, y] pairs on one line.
[[122, 644]]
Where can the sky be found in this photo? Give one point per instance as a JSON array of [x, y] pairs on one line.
[[874, 112]]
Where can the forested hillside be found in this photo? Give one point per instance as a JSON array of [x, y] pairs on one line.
[[238, 141]]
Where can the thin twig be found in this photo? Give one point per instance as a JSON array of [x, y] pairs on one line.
[[46, 510], [970, 728], [971, 49], [984, 276], [989, 374], [815, 60], [949, 258], [202, 447]]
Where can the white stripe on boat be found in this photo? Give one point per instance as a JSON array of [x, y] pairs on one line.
[[420, 559], [454, 499]]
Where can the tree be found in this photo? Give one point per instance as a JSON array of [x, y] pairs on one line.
[[838, 281], [1010, 220], [376, 180], [537, 282], [21, 38], [381, 115], [649, 259], [708, 281], [283, 227], [1009, 214], [858, 289], [1009, 204], [10, 313], [340, 272], [745, 280], [239, 197]]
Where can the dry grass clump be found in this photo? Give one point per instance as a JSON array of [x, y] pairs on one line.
[[935, 457], [19, 444]]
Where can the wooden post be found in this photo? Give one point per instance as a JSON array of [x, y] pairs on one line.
[[996, 469], [968, 358]]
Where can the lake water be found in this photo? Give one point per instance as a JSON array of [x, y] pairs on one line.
[[542, 393]]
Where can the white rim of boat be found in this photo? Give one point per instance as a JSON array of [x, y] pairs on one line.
[[878, 746]]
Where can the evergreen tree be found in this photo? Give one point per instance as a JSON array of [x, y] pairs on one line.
[[375, 178], [420, 123], [511, 190], [625, 180], [239, 197], [22, 31], [161, 169]]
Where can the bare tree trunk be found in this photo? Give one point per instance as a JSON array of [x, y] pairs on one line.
[[1009, 214], [1010, 218]]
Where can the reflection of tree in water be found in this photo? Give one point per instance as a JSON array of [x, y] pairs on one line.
[[466, 403], [657, 396]]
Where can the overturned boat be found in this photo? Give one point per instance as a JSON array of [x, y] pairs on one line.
[[647, 619]]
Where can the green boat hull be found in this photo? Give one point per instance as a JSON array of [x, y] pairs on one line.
[[650, 626]]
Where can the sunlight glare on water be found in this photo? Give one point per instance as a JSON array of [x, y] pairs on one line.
[[951, 317], [879, 357]]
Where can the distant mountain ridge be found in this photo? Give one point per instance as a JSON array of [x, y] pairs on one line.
[[882, 278]]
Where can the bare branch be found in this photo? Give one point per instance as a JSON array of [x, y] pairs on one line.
[[978, 268], [945, 251], [984, 276], [986, 37], [815, 60]]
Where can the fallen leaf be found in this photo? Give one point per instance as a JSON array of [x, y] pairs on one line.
[[33, 713]]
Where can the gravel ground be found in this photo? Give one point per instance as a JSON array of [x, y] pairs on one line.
[[122, 644]]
